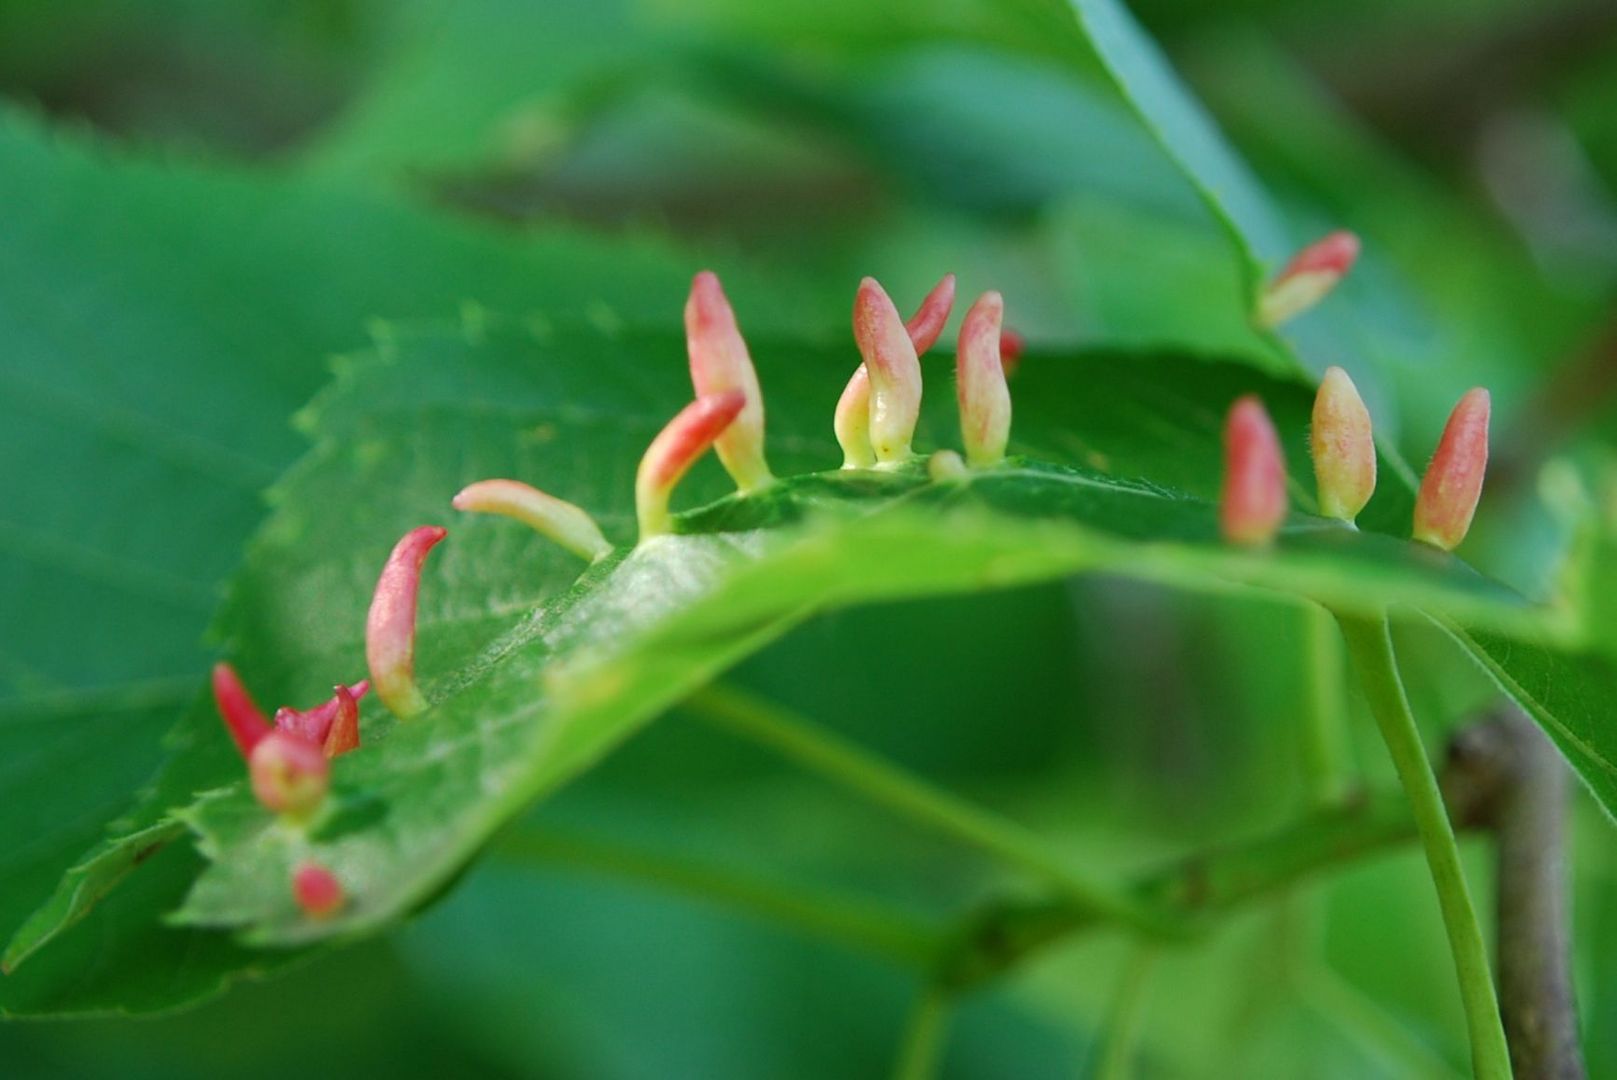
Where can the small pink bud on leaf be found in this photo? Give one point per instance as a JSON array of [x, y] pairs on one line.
[[390, 627], [1253, 503], [1344, 447], [675, 449], [946, 466], [895, 372], [985, 402], [553, 518], [317, 891], [242, 718], [1453, 482], [315, 725], [926, 325], [719, 363], [852, 420], [290, 775], [1308, 278]]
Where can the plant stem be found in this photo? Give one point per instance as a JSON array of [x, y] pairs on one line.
[[1325, 742], [920, 1052], [845, 764], [857, 924], [1369, 643], [1127, 1014]]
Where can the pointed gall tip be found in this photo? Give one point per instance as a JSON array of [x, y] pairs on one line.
[[343, 734], [1343, 446], [289, 774], [926, 325], [984, 399], [1253, 504], [1310, 276], [852, 422], [317, 891], [390, 627], [315, 725], [555, 519], [675, 449], [1449, 491], [707, 300], [720, 362], [894, 369], [243, 719]]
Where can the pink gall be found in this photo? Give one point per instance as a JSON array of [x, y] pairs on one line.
[[318, 893], [555, 519], [984, 399], [895, 373], [720, 363], [243, 719], [1308, 278], [675, 449], [1343, 447], [289, 774], [390, 628], [1449, 491], [1253, 504]]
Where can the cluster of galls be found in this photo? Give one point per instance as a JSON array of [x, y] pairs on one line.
[[875, 420], [1253, 504], [289, 759]]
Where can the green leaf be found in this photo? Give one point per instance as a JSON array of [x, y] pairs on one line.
[[143, 407], [536, 676]]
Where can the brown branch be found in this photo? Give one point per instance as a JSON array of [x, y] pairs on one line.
[[1510, 757]]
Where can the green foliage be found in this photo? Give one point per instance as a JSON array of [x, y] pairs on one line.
[[1065, 638]]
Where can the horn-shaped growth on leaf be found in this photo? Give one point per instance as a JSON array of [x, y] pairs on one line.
[[1343, 446], [1453, 482], [553, 518], [720, 363], [290, 775], [675, 449], [316, 725], [985, 401], [390, 627], [895, 372], [852, 420], [926, 325], [1308, 278], [1253, 503], [243, 719], [317, 891]]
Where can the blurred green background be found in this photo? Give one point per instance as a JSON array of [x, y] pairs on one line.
[[405, 158]]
